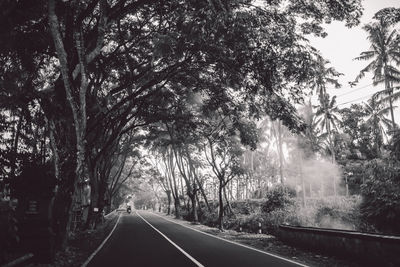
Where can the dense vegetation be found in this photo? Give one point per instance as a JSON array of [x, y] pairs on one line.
[[193, 105]]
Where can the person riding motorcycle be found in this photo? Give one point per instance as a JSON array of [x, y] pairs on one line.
[[128, 209]]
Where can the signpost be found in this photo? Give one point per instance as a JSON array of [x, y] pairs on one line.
[[34, 191]]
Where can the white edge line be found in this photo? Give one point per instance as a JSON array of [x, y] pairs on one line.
[[105, 216], [233, 242], [18, 261], [169, 240], [101, 245]]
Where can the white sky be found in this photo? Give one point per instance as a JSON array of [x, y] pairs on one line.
[[342, 45]]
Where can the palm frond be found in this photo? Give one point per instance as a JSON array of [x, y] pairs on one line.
[[335, 126], [323, 136], [393, 72], [368, 68], [366, 55], [334, 82], [380, 94], [384, 111], [391, 37], [394, 96]]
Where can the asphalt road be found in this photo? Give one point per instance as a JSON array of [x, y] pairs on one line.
[[144, 239]]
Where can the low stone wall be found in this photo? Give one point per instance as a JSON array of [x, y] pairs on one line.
[[371, 249]]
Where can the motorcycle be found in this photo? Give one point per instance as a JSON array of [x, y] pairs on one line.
[[129, 209]]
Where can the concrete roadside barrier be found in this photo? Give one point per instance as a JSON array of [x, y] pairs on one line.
[[376, 249]]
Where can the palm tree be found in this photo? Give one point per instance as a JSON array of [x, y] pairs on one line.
[[309, 142], [385, 54], [323, 75], [329, 121], [312, 139], [376, 120]]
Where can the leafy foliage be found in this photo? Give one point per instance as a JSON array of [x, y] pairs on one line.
[[381, 195], [278, 197]]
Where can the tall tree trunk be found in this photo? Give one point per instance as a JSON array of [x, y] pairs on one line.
[[389, 89], [169, 202], [194, 207], [221, 206], [278, 135], [303, 188], [238, 189], [13, 162], [331, 146], [203, 193], [228, 203], [78, 106]]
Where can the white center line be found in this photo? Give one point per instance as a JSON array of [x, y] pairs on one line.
[[169, 240]]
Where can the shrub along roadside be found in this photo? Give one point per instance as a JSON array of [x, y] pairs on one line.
[[381, 195], [377, 210], [281, 207]]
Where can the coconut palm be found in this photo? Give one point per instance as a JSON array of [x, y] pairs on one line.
[[376, 120], [323, 75], [311, 139], [328, 120], [385, 55]]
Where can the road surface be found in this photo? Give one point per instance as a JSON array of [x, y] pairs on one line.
[[144, 239]]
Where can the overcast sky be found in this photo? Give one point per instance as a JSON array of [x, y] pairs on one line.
[[342, 45]]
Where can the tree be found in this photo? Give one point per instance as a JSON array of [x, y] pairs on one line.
[[353, 124], [329, 121], [381, 195], [311, 139], [390, 15], [279, 132], [376, 120], [224, 158], [100, 69], [309, 143], [323, 76], [384, 55]]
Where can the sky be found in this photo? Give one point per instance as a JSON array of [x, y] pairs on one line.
[[342, 45]]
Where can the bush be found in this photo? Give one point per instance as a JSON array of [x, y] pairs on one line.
[[279, 197], [208, 218], [249, 223], [381, 195], [334, 212], [247, 207], [273, 219]]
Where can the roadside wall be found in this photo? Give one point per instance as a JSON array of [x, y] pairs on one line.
[[371, 249]]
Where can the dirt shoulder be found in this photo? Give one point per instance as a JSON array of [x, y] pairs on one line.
[[270, 244], [83, 244]]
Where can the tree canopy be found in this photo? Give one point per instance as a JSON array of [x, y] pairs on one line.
[[102, 69]]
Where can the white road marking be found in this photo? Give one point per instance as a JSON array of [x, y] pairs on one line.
[[175, 245], [110, 213], [233, 242], [102, 244]]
